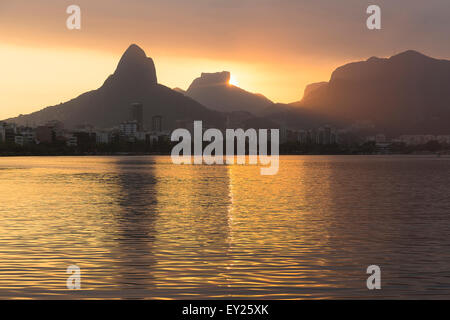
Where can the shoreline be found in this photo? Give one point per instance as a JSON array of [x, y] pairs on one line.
[[133, 154]]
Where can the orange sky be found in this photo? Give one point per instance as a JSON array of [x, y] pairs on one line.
[[274, 47]]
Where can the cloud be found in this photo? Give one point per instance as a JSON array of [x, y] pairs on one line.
[[275, 47], [227, 29]]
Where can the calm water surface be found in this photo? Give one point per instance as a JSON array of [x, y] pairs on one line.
[[141, 227]]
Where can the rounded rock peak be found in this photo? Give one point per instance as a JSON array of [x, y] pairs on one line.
[[211, 79], [134, 64], [134, 51]]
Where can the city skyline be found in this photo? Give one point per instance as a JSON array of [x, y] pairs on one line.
[[224, 152]]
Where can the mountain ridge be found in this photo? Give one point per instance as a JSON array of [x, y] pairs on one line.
[[215, 92], [406, 93], [134, 80]]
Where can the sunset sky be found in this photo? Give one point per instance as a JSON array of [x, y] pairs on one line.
[[274, 47]]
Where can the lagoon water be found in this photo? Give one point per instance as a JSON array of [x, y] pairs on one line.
[[141, 227]]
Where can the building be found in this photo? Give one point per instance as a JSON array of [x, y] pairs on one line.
[[137, 114], [382, 148], [29, 135], [2, 133], [283, 135], [102, 137], [302, 137], [322, 136], [380, 138], [72, 141], [140, 136], [327, 135], [157, 123], [84, 139], [57, 127], [443, 139], [10, 131], [151, 138], [19, 140], [128, 129], [45, 134], [415, 140]]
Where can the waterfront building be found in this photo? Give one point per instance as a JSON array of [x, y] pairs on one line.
[[157, 123], [72, 141], [129, 128], [102, 137], [137, 114], [19, 140], [44, 134]]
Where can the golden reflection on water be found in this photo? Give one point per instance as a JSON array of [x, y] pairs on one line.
[[141, 227]]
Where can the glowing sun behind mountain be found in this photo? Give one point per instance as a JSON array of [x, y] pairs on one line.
[[233, 81]]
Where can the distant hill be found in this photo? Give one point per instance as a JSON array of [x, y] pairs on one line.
[[214, 91], [133, 81], [406, 93]]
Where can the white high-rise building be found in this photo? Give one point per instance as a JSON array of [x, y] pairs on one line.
[[129, 128]]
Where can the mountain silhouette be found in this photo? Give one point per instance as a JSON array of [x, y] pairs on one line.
[[313, 86], [214, 91], [135, 65], [408, 93], [134, 80]]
